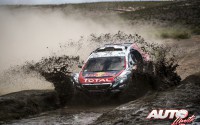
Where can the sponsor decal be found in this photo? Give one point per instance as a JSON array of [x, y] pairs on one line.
[[97, 80], [180, 116], [100, 74]]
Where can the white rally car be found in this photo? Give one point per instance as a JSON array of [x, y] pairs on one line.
[[109, 68]]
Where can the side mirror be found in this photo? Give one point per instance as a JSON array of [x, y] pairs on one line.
[[79, 66]]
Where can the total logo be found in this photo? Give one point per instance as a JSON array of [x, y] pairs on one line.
[[180, 116], [97, 80]]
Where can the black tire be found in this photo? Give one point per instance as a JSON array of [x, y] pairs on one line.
[[139, 84]]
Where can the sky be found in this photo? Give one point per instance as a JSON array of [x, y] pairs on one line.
[[56, 1]]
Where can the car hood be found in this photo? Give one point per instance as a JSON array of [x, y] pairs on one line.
[[98, 77], [100, 74]]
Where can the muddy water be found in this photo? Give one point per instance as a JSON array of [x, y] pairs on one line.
[[72, 115]]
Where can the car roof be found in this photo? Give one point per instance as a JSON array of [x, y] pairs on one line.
[[114, 47], [122, 49], [119, 44], [107, 54], [111, 50]]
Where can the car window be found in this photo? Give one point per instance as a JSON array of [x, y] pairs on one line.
[[103, 64]]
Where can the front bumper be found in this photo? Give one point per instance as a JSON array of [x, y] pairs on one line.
[[101, 87]]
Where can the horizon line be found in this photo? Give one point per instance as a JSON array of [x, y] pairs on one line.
[[61, 3]]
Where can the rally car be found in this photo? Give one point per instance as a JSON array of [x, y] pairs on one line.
[[109, 68]]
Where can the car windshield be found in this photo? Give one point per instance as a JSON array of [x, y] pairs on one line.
[[103, 64]]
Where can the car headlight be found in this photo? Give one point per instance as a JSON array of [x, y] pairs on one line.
[[119, 80], [75, 77]]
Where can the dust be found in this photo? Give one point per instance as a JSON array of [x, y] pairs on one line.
[[30, 33], [12, 81]]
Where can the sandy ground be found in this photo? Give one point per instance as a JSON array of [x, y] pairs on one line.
[[189, 55]]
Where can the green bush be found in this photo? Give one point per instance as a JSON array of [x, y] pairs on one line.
[[175, 33], [165, 35], [196, 31]]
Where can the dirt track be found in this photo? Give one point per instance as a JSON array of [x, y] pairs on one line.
[[188, 55], [190, 58], [82, 115], [186, 95]]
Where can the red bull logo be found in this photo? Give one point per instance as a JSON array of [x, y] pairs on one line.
[[100, 74]]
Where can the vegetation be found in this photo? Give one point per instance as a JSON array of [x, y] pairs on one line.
[[196, 31], [175, 33], [183, 12], [165, 13]]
